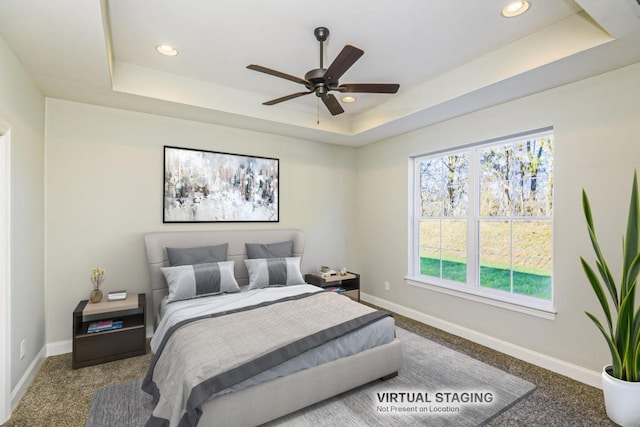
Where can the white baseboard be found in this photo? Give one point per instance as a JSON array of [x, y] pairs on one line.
[[562, 367], [51, 349], [27, 378], [60, 347]]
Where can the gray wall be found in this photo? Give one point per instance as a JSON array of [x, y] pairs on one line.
[[104, 191], [597, 147], [22, 108]]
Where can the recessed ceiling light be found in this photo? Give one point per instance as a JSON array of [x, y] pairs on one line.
[[167, 50], [348, 99], [515, 8]]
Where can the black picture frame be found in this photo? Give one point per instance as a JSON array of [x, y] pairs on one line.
[[213, 186]]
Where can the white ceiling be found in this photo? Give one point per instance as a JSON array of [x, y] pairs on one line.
[[450, 57]]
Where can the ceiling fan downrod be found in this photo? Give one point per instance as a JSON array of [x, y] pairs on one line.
[[321, 33]]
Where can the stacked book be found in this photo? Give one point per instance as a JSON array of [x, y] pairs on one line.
[[335, 289], [104, 325], [117, 295]]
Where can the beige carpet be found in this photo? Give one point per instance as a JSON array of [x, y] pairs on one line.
[[428, 368], [60, 397]]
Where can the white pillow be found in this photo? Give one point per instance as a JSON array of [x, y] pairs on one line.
[[190, 281], [265, 272]]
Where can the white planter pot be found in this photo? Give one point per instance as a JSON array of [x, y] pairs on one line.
[[621, 399]]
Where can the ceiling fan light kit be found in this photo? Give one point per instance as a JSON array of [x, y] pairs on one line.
[[322, 80]]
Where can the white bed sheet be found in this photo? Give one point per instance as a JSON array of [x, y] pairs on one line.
[[178, 311], [372, 335], [224, 299]]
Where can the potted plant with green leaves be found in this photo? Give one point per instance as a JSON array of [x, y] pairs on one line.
[[621, 328]]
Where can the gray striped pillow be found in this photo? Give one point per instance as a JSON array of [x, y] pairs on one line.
[[265, 272], [190, 281]]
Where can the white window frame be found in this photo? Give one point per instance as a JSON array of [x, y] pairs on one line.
[[471, 290]]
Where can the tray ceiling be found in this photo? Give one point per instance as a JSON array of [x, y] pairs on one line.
[[450, 58]]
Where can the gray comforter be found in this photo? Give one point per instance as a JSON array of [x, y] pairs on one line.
[[200, 357]]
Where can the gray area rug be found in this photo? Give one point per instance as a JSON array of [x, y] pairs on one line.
[[439, 386]]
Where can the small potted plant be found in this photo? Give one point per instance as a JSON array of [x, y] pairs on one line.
[[97, 277], [621, 329]]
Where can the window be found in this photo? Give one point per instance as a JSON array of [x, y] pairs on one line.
[[483, 219]]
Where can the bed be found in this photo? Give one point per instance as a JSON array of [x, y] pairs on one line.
[[285, 388]]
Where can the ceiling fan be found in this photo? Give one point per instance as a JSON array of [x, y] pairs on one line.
[[323, 80]]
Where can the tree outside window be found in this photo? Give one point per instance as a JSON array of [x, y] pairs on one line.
[[484, 217]]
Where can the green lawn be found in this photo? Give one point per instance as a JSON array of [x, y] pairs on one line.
[[529, 284]]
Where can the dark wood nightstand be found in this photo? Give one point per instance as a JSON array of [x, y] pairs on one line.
[[100, 347], [350, 282]]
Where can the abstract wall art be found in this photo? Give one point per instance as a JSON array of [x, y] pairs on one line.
[[210, 186]]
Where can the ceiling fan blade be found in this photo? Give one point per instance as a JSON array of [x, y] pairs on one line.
[[369, 87], [332, 104], [285, 98], [276, 73], [345, 59]]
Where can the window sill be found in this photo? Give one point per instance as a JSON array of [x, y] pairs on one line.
[[518, 306]]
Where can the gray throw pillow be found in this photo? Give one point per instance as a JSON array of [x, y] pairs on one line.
[[273, 272], [190, 281], [270, 250], [201, 255]]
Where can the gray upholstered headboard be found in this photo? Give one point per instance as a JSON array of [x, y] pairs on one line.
[[156, 244]]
